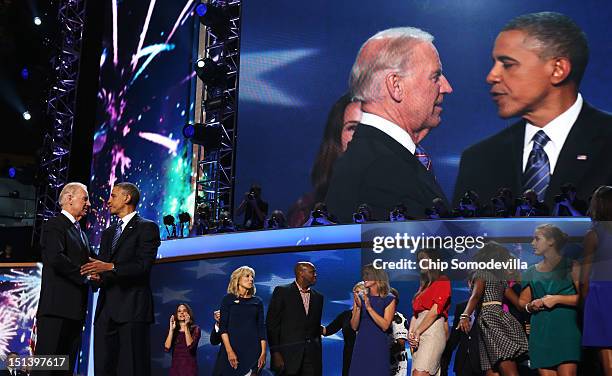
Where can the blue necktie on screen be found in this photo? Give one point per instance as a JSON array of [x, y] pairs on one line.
[[537, 171], [117, 234], [423, 157]]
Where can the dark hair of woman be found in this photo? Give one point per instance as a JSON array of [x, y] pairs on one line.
[[330, 149], [178, 327]]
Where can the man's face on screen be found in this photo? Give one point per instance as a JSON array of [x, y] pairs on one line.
[[425, 87], [519, 79]]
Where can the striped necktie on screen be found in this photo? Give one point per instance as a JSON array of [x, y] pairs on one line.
[[117, 234], [423, 157], [537, 171]]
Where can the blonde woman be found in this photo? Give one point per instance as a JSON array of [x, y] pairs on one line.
[[242, 327], [372, 314]]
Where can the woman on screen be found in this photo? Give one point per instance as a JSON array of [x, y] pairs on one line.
[[373, 311], [427, 331], [596, 280], [182, 340], [341, 123], [502, 339], [550, 295], [242, 327]]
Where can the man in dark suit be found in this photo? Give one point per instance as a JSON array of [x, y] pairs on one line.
[[398, 78], [64, 291], [539, 61], [124, 310], [467, 358], [294, 325]]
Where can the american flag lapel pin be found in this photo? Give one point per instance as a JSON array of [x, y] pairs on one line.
[[581, 157]]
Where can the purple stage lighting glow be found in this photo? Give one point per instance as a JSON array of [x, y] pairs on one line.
[[201, 9], [12, 172], [25, 73]]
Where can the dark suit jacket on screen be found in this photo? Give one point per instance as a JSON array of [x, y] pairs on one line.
[[379, 171], [63, 291], [126, 293], [498, 160], [290, 331]]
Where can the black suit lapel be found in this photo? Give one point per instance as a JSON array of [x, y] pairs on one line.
[[73, 233], [129, 228], [582, 142], [297, 297], [425, 177]]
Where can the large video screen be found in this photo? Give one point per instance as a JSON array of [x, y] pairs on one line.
[[144, 99], [295, 63]]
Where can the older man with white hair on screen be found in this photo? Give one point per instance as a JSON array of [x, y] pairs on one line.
[[398, 78]]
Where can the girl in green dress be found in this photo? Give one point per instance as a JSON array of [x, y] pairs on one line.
[[550, 294]]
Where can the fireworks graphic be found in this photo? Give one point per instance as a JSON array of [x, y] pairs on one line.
[[144, 101], [19, 292]]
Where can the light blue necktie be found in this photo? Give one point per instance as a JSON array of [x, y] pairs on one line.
[[423, 157], [537, 171]]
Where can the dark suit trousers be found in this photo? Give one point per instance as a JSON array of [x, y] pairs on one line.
[[307, 368], [58, 336], [121, 348]]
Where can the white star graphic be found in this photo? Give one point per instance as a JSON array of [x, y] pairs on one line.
[[206, 268], [275, 281], [168, 295], [254, 87], [318, 256]]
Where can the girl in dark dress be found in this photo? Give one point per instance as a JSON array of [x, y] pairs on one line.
[[182, 340], [242, 327]]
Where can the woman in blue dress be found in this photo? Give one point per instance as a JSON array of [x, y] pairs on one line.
[[596, 283], [242, 327], [372, 314]]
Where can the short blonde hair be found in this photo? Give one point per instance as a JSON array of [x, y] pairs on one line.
[[70, 189], [232, 287], [378, 275]]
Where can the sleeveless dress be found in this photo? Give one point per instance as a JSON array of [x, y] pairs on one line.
[[597, 330], [501, 336], [371, 354], [555, 335]]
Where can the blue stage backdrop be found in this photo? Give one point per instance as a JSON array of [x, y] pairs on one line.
[[296, 58], [146, 78]]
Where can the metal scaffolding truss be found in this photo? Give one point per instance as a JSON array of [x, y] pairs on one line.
[[55, 156], [215, 175]]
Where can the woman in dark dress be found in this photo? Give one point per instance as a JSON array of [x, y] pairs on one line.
[[242, 327], [182, 340], [371, 318]]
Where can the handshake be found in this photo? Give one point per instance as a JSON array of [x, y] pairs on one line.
[[94, 267]]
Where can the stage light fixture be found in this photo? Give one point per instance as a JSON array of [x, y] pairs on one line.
[[217, 18], [208, 136], [188, 130], [12, 172], [210, 72], [201, 9], [25, 73], [26, 115], [37, 21]]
